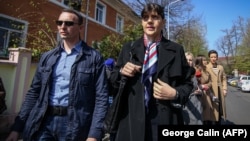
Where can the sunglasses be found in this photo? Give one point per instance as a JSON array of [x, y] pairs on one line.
[[67, 23]]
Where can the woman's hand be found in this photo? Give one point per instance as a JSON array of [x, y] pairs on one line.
[[163, 91], [225, 93], [91, 139], [130, 69]]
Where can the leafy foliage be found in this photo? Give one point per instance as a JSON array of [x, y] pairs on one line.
[[40, 35], [42, 40], [110, 46]]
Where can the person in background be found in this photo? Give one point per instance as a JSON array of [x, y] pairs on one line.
[[219, 87], [109, 63], [204, 83], [192, 112], [204, 59], [157, 75], [190, 59], [3, 105], [68, 97]]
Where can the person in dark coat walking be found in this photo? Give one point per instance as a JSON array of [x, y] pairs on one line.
[[158, 80], [68, 97]]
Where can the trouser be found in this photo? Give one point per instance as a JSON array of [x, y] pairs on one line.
[[53, 129]]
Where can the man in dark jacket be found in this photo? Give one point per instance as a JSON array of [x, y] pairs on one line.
[[68, 97], [158, 80]]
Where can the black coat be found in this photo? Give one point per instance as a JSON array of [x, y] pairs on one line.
[[172, 69]]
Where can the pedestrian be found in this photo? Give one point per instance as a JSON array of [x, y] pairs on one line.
[[219, 88], [68, 97], [109, 63], [157, 88], [192, 111], [204, 59], [3, 105], [204, 84]]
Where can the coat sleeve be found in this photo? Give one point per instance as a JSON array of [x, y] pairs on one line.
[[123, 58], [30, 98], [184, 85], [101, 98]]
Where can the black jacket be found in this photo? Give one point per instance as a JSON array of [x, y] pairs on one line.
[[172, 69]]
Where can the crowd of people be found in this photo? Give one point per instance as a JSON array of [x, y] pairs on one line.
[[69, 95], [206, 105]]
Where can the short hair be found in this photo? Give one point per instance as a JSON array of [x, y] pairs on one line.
[[212, 52], [79, 16], [153, 7]]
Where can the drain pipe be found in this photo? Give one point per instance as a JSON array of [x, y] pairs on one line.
[[86, 22]]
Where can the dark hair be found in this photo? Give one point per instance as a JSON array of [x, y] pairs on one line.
[[198, 63], [153, 7], [202, 56], [79, 16], [212, 52]]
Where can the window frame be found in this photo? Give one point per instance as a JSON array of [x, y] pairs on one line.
[[103, 16], [119, 23], [7, 40]]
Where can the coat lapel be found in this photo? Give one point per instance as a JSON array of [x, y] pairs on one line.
[[138, 50], [165, 53]]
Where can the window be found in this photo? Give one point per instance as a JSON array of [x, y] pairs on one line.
[[100, 13], [12, 34], [119, 24], [75, 4]]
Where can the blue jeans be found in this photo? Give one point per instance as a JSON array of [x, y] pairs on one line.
[[53, 128]]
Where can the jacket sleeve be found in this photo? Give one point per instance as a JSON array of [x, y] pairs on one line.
[[30, 99], [223, 79], [101, 98]]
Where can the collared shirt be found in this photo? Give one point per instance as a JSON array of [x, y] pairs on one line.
[[59, 93]]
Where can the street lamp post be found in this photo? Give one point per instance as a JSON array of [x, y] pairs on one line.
[[168, 12]]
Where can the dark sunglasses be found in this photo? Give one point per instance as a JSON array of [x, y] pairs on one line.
[[67, 23]]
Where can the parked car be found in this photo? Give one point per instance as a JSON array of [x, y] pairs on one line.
[[232, 81], [245, 87], [243, 79]]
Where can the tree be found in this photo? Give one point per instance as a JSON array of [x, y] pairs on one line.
[[192, 36], [184, 28], [110, 46], [42, 40], [234, 45]]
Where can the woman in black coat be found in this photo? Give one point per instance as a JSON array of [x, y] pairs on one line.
[[151, 97]]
